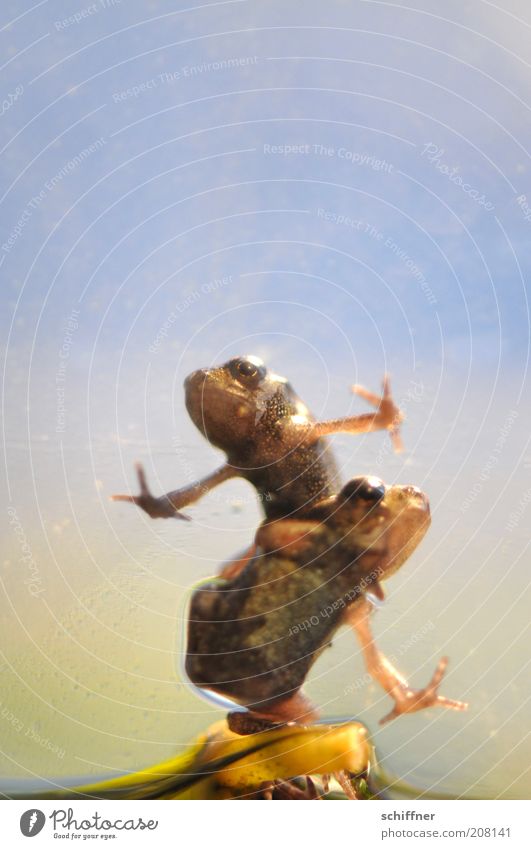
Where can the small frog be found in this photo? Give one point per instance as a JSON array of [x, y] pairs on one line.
[[269, 437], [255, 631]]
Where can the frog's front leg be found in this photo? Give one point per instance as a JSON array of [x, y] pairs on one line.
[[387, 417], [168, 506], [232, 568], [382, 670]]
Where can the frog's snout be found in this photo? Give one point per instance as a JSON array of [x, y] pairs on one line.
[[195, 380], [194, 391], [418, 496]]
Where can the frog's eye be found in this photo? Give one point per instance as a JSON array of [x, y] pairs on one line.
[[371, 489], [248, 371]]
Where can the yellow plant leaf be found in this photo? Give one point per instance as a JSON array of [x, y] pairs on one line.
[[221, 764]]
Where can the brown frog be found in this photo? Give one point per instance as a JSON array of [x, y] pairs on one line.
[[254, 632], [269, 437]]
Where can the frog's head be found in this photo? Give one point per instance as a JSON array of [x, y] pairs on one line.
[[408, 520], [388, 521], [228, 403]]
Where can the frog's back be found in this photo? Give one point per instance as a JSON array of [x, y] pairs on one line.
[[254, 639]]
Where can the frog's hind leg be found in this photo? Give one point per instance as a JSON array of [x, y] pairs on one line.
[[382, 670]]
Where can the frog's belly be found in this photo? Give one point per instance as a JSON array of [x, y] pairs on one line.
[[254, 641], [296, 482]]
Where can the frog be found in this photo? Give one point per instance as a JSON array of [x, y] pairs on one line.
[[255, 630], [269, 437]]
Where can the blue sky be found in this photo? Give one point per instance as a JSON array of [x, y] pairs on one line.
[[368, 82]]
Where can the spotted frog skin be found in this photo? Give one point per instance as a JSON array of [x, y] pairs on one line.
[[269, 437], [255, 632]]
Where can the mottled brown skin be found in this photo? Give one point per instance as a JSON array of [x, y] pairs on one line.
[[254, 637], [269, 437]]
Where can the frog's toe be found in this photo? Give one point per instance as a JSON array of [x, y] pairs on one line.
[[396, 439], [160, 508], [371, 397], [436, 678], [454, 704], [156, 508], [393, 714], [142, 480]]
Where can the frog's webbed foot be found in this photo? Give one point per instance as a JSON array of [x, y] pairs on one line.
[[409, 701], [168, 506], [382, 670], [157, 508], [388, 415]]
